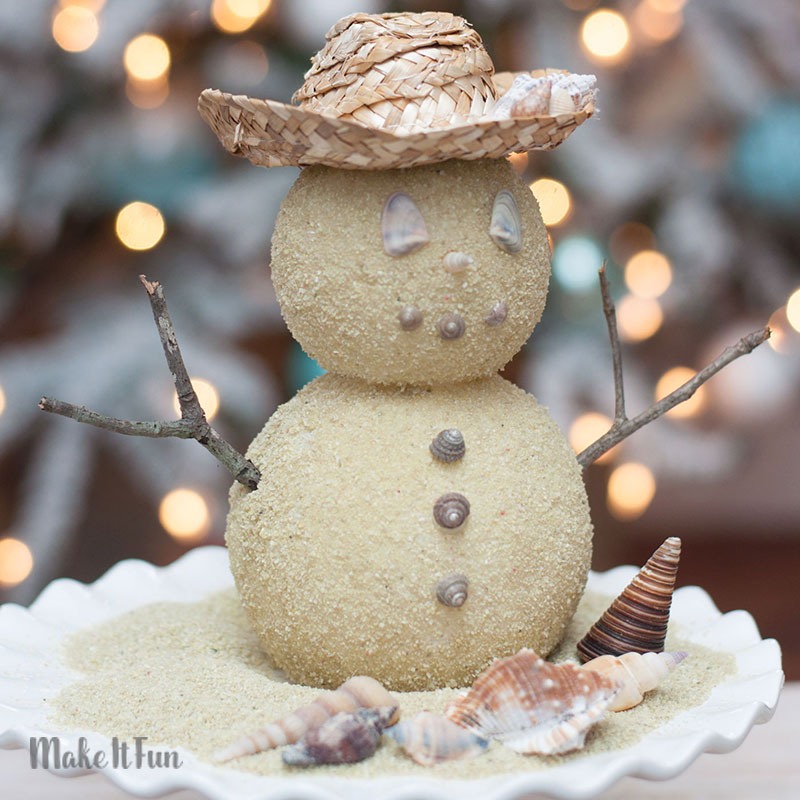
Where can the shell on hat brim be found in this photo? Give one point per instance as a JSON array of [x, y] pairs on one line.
[[273, 134]]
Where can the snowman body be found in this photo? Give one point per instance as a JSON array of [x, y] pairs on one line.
[[344, 558]]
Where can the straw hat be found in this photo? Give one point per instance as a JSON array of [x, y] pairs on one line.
[[399, 90]]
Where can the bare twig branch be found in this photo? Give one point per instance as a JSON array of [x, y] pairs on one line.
[[616, 354], [623, 427], [192, 424]]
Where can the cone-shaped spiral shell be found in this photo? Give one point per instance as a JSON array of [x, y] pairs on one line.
[[636, 622], [452, 590], [359, 692], [431, 738], [451, 510], [448, 445], [402, 226], [410, 318], [532, 706], [456, 261], [496, 315], [637, 673], [451, 326], [343, 739]]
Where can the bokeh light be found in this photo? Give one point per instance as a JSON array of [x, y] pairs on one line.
[[16, 561], [588, 428], [628, 239], [139, 226], [605, 34], [236, 16], [793, 310], [147, 94], [183, 514], [670, 381], [648, 274], [638, 318], [92, 5], [576, 260], [656, 24], [206, 394], [784, 338], [75, 28], [667, 5], [631, 488], [146, 57], [2, 401], [519, 161], [553, 198]]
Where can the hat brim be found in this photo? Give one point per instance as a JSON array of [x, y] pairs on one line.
[[273, 134]]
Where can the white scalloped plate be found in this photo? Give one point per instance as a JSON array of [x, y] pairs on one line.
[[31, 673]]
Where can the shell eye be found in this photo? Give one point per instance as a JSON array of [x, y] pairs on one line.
[[402, 226], [506, 226]]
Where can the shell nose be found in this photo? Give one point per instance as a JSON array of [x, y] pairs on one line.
[[455, 261]]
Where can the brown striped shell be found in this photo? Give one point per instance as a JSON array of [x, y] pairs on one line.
[[451, 326], [532, 706], [449, 445], [358, 692], [431, 739], [451, 510], [452, 590], [343, 739], [636, 622]]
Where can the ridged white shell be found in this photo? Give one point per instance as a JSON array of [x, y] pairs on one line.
[[402, 226], [431, 739], [532, 706], [455, 261], [506, 226]]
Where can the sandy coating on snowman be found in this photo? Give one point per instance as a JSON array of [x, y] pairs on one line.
[[337, 554], [341, 293]]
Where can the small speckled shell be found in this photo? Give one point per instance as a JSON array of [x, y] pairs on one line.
[[343, 739], [402, 226], [534, 103], [637, 673], [410, 318], [452, 590], [636, 622], [449, 445], [451, 510], [532, 706], [431, 739], [455, 261], [358, 692], [451, 326], [506, 226], [497, 315]]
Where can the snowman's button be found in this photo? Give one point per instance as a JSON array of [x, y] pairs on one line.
[[410, 318], [452, 590], [497, 314], [451, 326], [450, 510], [448, 445]]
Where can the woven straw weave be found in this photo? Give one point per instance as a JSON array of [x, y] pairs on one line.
[[386, 91]]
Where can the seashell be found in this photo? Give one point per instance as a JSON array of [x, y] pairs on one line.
[[636, 673], [450, 510], [431, 738], [535, 102], [452, 590], [532, 706], [571, 93], [497, 315], [343, 739], [506, 227], [521, 86], [636, 622], [358, 692], [402, 226], [410, 318], [561, 101], [451, 326], [449, 446], [456, 261]]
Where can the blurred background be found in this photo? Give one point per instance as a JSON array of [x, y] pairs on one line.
[[687, 181]]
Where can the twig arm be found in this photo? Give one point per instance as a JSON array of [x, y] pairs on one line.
[[616, 352], [192, 424]]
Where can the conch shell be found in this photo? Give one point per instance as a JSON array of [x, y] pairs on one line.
[[636, 622], [532, 706], [430, 739], [342, 739], [636, 673], [359, 692]]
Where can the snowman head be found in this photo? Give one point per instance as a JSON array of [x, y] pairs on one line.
[[425, 275]]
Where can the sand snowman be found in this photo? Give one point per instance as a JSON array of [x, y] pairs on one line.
[[417, 515]]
